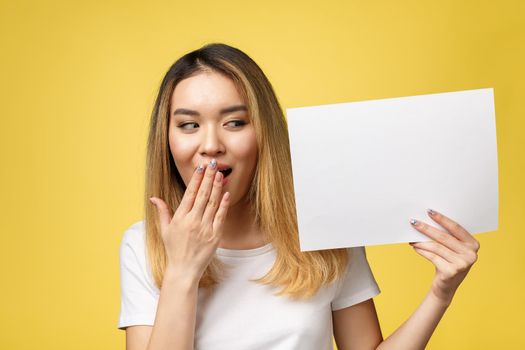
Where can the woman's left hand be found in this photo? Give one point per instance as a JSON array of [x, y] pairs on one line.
[[453, 252]]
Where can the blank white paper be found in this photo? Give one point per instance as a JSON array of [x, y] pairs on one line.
[[362, 170]]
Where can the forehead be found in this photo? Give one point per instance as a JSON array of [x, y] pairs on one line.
[[205, 89]]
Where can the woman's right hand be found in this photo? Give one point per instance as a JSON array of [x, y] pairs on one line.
[[192, 235]]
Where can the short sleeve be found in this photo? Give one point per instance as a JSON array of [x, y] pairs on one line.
[[358, 283], [138, 293]]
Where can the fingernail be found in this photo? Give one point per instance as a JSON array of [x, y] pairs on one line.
[[413, 222], [200, 168], [431, 212], [151, 200], [213, 163]]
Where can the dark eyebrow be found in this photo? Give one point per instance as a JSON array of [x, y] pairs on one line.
[[226, 110]]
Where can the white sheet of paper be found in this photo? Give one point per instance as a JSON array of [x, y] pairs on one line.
[[362, 170]]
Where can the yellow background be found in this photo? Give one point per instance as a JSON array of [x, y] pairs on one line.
[[77, 87]]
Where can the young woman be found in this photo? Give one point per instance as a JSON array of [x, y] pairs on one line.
[[216, 263]]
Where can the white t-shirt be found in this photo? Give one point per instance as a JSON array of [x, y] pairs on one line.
[[241, 314]]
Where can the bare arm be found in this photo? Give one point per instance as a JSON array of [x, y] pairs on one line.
[[453, 253], [415, 332], [357, 327], [191, 237], [176, 311]]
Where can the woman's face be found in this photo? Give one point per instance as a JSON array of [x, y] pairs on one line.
[[209, 120]]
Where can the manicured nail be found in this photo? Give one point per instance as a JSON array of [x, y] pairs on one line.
[[413, 222], [200, 168], [431, 212], [151, 200], [213, 163]]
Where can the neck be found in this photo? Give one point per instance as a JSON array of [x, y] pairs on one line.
[[240, 228]]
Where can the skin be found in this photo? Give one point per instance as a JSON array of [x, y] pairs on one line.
[[229, 138], [191, 236], [453, 251], [200, 225], [205, 217]]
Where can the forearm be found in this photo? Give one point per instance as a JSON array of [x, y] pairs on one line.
[[415, 332], [174, 326]]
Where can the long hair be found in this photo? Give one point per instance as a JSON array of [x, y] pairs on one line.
[[300, 274]]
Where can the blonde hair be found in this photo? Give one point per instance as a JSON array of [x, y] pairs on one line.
[[300, 274]]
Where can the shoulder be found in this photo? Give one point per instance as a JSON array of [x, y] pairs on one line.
[[134, 235], [357, 261], [133, 242], [133, 251], [356, 266], [356, 253], [358, 281], [356, 256]]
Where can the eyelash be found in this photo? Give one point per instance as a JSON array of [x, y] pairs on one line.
[[242, 122]]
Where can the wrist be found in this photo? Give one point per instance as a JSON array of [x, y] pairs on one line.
[[181, 277], [441, 299]]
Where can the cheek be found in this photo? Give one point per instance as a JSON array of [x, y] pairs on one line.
[[182, 153], [245, 150], [180, 150], [245, 147]]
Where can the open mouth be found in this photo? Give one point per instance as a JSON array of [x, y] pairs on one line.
[[226, 172]]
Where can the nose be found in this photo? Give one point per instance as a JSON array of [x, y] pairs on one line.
[[211, 143]]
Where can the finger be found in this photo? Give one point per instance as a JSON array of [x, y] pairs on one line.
[[438, 249], [220, 216], [191, 190], [205, 189], [165, 213], [453, 227], [439, 262], [214, 200], [444, 238]]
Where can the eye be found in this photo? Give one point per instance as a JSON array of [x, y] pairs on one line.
[[239, 122], [183, 126]]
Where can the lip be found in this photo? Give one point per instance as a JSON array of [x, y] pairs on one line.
[[225, 180], [222, 166]]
